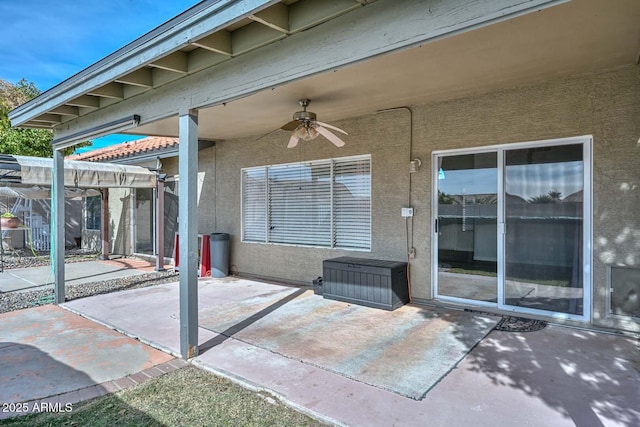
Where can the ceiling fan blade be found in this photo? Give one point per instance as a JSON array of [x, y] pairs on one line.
[[291, 125], [293, 141], [327, 125], [330, 136]]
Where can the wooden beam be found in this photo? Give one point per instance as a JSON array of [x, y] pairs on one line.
[[219, 42], [199, 59], [253, 36], [86, 101], [66, 110], [105, 102], [275, 17], [86, 110], [110, 90], [309, 13], [48, 118], [140, 77], [38, 125], [129, 90], [162, 77], [176, 62]]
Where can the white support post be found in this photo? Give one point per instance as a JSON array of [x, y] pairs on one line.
[[57, 225], [188, 229]]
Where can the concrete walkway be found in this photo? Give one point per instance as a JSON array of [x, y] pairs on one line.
[[50, 355], [26, 279], [554, 377], [279, 339]]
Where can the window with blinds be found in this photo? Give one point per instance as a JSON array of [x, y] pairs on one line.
[[254, 205], [325, 203]]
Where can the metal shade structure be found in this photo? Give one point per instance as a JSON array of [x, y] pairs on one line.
[[19, 191], [77, 174], [97, 131]]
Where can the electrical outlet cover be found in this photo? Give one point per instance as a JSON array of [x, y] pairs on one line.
[[407, 212]]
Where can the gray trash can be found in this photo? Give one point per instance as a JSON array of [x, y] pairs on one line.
[[219, 254]]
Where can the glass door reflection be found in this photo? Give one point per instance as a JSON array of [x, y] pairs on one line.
[[544, 207], [467, 226]]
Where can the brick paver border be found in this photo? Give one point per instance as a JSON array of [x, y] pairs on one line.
[[58, 402]]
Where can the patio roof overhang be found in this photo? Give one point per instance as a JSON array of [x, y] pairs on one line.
[[36, 171], [336, 53]]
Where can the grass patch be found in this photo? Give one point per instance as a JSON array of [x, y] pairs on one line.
[[186, 397]]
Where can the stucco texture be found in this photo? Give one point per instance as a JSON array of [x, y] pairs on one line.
[[605, 105]]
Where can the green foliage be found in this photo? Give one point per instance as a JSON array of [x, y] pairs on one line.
[[445, 199], [551, 197], [24, 142]]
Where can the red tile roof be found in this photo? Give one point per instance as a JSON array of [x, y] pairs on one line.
[[127, 149]]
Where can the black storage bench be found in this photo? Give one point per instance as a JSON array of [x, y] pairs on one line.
[[370, 282]]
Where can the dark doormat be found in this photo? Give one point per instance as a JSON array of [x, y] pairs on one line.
[[520, 324]]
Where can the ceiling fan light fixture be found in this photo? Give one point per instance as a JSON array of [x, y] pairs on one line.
[[306, 127], [305, 132]]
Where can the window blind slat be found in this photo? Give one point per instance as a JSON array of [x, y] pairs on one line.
[[352, 203], [294, 202], [254, 220], [299, 204]]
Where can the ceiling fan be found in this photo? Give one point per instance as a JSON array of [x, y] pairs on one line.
[[305, 126]]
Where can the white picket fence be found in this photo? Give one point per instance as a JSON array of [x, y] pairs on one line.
[[39, 238], [37, 232]]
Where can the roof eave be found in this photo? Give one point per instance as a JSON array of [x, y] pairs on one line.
[[200, 20]]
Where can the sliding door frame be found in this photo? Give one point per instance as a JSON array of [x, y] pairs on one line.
[[587, 249]]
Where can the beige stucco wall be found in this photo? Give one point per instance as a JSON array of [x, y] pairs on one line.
[[384, 136], [120, 220], [605, 105]]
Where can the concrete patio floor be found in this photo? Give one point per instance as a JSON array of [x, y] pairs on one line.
[[50, 355], [554, 377]]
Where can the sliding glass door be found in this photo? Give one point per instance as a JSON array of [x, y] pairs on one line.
[[544, 217], [467, 224], [513, 227]]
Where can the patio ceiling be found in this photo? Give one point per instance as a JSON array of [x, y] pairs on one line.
[[575, 37]]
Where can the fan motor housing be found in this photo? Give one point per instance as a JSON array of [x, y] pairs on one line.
[[304, 116]]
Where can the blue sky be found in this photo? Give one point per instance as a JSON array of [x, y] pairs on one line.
[[525, 181], [46, 41]]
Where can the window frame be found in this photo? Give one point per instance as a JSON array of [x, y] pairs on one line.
[[331, 194]]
